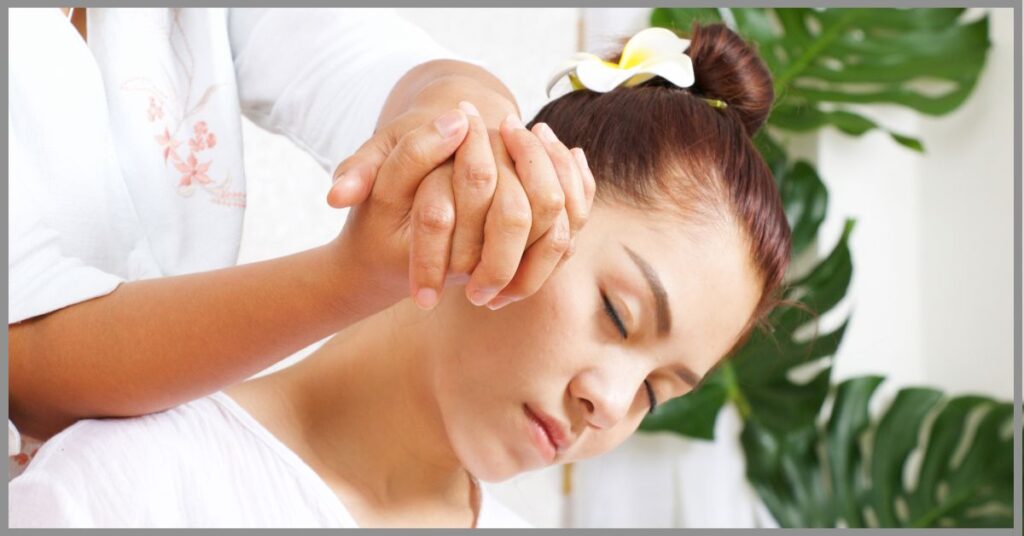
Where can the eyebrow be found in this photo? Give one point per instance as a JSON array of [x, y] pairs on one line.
[[657, 289], [662, 309]]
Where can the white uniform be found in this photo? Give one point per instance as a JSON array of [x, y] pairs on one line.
[[126, 151], [207, 463]]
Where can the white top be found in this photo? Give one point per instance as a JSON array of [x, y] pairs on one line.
[[126, 151], [207, 463]]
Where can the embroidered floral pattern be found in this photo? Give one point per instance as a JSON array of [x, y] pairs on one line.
[[155, 111], [173, 112]]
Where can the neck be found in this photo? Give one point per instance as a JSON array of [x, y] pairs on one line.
[[362, 413]]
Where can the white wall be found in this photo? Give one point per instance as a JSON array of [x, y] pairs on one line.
[[932, 291], [933, 247]]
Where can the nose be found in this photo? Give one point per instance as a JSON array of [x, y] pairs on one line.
[[607, 392]]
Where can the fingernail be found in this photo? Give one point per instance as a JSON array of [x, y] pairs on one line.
[[426, 298], [481, 296], [546, 133], [468, 107], [499, 302], [514, 122], [450, 123], [338, 178]]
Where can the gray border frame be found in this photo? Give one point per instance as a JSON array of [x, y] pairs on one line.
[[1017, 299]]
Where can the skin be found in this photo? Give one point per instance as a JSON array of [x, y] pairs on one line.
[[153, 344], [394, 412]]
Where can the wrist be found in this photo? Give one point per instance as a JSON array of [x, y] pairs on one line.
[[445, 93], [437, 86], [357, 289]]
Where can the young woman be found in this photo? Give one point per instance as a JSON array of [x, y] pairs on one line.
[[394, 420]]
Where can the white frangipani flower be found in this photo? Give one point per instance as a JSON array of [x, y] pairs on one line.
[[652, 52]]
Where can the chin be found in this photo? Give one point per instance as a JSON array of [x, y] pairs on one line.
[[488, 462], [491, 468]]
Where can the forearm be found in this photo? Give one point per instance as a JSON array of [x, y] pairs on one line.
[[152, 344], [439, 85]]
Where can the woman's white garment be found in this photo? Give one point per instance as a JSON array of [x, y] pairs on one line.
[[126, 151], [207, 463]]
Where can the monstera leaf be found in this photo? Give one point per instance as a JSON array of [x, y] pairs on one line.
[[927, 462], [823, 60]]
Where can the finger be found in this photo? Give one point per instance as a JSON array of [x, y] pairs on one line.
[[416, 154], [474, 182], [536, 173], [569, 176], [505, 232], [589, 184], [537, 265], [354, 176], [432, 219]]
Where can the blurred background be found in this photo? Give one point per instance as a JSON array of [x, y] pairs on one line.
[[929, 303]]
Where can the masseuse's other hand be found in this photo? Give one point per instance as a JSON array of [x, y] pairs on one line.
[[514, 192]]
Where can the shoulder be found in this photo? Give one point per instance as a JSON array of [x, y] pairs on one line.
[[102, 472]]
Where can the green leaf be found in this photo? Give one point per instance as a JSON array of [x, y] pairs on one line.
[[805, 199], [692, 415], [861, 55], [812, 477], [682, 19]]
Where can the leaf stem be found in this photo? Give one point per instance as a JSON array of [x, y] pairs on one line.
[[733, 392], [812, 52]]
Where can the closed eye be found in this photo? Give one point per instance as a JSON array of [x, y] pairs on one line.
[[614, 316]]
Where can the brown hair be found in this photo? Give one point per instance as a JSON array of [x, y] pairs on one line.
[[656, 145]]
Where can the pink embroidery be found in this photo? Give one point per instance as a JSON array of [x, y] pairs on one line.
[[179, 111], [193, 171], [169, 144], [155, 111]]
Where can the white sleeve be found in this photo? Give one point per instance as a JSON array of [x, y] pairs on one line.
[[41, 278], [35, 501], [321, 76]]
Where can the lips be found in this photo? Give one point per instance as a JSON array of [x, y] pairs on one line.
[[553, 433]]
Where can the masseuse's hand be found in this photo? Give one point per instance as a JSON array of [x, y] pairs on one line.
[[518, 199], [495, 241]]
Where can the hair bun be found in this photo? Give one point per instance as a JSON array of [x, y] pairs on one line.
[[727, 68]]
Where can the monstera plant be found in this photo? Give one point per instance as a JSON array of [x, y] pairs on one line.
[[926, 460]]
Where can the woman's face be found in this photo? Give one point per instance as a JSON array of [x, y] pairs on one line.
[[561, 376]]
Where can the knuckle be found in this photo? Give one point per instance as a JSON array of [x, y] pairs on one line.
[[465, 261], [559, 243], [577, 219], [414, 150], [435, 219], [427, 270], [550, 202], [495, 277], [515, 220], [480, 175]]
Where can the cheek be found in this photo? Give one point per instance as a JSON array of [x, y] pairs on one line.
[[525, 342]]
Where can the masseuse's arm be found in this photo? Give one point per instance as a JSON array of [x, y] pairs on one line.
[[319, 76], [151, 344]]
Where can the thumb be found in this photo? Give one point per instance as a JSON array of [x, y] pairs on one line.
[[354, 176], [418, 152]]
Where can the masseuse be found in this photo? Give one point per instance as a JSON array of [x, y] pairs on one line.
[[128, 191]]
